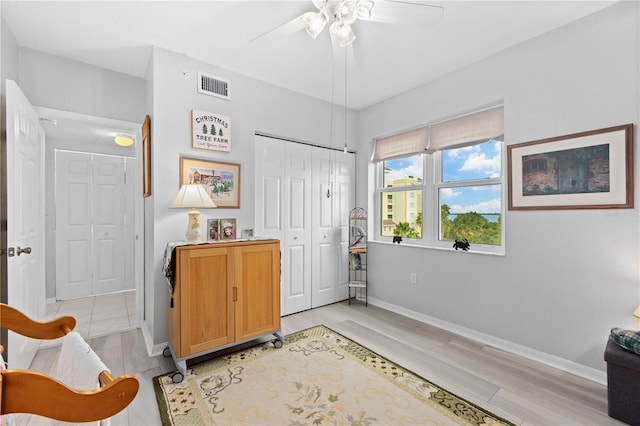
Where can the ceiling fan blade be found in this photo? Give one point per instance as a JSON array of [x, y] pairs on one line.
[[404, 12], [280, 32]]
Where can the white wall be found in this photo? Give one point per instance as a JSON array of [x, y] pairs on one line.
[[568, 276], [254, 106], [55, 82]]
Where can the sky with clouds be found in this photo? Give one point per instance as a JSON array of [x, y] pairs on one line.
[[474, 162]]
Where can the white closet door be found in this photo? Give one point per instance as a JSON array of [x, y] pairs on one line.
[[74, 246], [343, 203], [108, 224], [325, 261], [292, 181], [283, 211], [130, 189], [297, 219], [90, 225]]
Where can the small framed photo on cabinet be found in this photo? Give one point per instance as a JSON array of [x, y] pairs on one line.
[[213, 229], [227, 229]]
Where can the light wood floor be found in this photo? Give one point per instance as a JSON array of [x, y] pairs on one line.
[[522, 391]]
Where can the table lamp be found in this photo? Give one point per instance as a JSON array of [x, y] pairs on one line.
[[193, 196], [637, 312]]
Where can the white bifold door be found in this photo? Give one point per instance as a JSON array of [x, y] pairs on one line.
[[94, 224], [303, 197]]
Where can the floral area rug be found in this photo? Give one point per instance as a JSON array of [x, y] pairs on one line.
[[319, 377]]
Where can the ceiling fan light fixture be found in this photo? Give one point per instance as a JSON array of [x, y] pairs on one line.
[[314, 22], [346, 12], [342, 33]]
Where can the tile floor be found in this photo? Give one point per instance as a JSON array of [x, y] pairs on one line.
[[97, 316]]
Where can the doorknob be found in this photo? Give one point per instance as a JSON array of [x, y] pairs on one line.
[[26, 250]]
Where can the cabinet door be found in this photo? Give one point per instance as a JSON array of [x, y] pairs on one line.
[[206, 279], [258, 289]]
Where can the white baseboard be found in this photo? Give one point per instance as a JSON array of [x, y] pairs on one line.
[[542, 357], [152, 350]]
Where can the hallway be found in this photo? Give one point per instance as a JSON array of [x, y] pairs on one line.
[[97, 316]]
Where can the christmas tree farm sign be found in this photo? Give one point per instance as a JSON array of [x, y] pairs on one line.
[[210, 131]]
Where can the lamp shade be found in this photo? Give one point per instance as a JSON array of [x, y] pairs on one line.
[[637, 312], [192, 195]]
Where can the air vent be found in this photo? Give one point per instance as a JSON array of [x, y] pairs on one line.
[[214, 86]]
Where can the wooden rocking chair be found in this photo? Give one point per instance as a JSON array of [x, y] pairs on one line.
[[25, 391]]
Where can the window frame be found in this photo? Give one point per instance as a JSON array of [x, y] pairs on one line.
[[430, 187]]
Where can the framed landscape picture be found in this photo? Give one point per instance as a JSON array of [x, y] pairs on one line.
[[221, 180], [588, 170]]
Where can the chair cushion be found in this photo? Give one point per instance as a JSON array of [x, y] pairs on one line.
[[628, 339]]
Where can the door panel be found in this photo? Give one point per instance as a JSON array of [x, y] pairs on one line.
[[345, 198], [74, 248], [257, 274], [108, 224], [269, 159], [297, 238], [25, 219], [130, 224], [283, 211], [324, 252], [207, 314], [272, 201]]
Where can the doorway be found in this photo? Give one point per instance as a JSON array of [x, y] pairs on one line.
[[93, 136], [94, 227]]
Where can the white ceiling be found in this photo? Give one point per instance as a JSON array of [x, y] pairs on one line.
[[388, 58]]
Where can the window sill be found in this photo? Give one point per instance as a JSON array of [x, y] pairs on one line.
[[440, 248]]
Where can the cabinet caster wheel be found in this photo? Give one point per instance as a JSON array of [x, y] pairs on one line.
[[177, 377], [166, 352], [278, 344]]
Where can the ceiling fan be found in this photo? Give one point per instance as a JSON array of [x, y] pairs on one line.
[[341, 15]]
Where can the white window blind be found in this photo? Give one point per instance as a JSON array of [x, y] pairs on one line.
[[467, 129], [402, 145]]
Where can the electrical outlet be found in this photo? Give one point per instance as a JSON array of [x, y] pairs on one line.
[[413, 278]]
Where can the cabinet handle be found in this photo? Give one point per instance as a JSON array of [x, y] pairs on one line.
[[235, 294]]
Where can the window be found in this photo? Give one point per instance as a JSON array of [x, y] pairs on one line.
[[403, 180], [444, 182], [470, 194]]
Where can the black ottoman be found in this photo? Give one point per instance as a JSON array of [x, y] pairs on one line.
[[623, 383]]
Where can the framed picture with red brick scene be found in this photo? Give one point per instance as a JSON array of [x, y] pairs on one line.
[[588, 170]]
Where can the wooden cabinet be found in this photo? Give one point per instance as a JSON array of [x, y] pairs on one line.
[[224, 293]]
